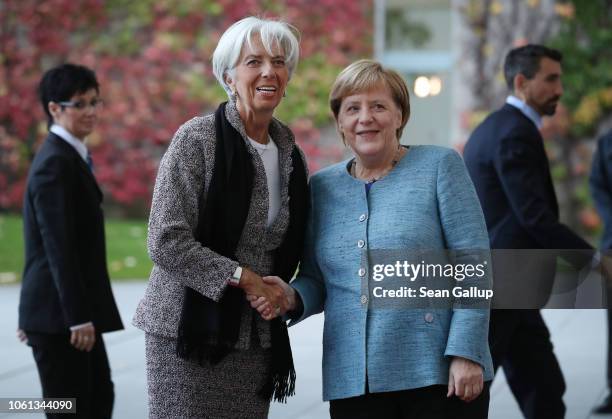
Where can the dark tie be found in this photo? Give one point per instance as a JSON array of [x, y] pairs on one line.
[[90, 162]]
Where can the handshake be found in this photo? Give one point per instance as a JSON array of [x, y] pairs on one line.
[[270, 295]]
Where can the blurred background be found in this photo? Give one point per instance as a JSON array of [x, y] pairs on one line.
[[152, 58]]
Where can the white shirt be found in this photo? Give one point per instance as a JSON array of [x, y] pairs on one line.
[[76, 143], [269, 156]]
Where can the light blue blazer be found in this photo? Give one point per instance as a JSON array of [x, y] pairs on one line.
[[426, 202]]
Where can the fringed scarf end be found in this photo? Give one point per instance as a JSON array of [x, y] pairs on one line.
[[280, 387], [206, 354]]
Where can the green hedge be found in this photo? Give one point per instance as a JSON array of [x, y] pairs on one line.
[[125, 246]]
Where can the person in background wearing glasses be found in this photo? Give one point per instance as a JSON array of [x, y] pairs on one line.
[[66, 301]]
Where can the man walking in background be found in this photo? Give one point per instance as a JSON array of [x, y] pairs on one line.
[[66, 301], [506, 159]]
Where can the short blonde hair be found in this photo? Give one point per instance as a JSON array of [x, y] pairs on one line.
[[364, 75], [271, 32]]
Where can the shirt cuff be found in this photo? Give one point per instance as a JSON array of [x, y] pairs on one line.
[[80, 326]]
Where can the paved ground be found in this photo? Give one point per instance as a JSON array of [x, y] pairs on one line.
[[578, 335]]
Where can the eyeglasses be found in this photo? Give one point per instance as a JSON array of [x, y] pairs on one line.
[[81, 104]]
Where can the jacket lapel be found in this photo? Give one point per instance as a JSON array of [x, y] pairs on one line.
[[86, 173], [544, 167]]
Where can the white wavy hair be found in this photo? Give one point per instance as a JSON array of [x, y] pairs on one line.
[[271, 32]]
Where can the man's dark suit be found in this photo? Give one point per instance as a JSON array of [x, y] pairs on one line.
[[507, 162], [65, 280]]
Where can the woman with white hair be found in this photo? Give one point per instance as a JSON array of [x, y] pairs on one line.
[[229, 207]]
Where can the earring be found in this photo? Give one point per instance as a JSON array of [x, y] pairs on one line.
[[232, 96], [284, 93]]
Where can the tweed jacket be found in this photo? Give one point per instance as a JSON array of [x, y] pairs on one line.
[[179, 260], [426, 202]]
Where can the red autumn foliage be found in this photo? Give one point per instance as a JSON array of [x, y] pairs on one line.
[[152, 59]]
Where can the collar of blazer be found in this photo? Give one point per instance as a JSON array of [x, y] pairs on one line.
[[280, 133], [528, 123], [67, 149]]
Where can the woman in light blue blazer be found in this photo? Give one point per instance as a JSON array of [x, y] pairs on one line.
[[391, 363]]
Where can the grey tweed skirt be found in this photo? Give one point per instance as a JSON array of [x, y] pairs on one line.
[[183, 389]]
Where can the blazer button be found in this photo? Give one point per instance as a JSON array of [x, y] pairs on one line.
[[364, 299], [362, 272], [362, 217], [429, 317], [360, 243]]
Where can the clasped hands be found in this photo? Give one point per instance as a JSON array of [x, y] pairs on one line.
[[270, 295]]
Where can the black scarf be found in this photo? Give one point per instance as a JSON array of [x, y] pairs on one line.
[[207, 329]]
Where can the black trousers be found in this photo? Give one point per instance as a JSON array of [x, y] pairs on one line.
[[520, 344], [67, 372], [421, 403]]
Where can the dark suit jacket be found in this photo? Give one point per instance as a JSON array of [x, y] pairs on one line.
[[601, 186], [65, 280], [507, 162]]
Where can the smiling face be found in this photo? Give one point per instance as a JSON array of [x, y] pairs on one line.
[[259, 79], [369, 121], [79, 122]]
